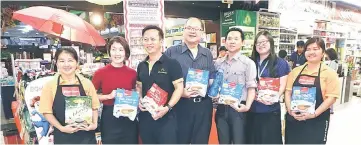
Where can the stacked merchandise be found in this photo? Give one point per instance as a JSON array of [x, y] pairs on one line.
[[267, 21], [288, 40], [5, 79], [32, 126]]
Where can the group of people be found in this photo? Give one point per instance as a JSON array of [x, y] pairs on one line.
[[187, 117]]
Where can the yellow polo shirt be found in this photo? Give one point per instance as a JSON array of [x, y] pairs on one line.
[[330, 85], [49, 91]]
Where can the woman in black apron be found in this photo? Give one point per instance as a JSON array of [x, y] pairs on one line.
[[63, 133], [310, 128]]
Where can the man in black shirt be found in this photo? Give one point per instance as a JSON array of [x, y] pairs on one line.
[[157, 68]]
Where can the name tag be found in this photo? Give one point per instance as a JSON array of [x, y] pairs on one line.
[[297, 64]]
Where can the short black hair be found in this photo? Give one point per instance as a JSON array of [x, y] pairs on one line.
[[300, 44], [235, 29], [153, 27], [202, 23], [332, 54], [318, 40], [223, 48], [122, 41], [282, 54], [70, 51]]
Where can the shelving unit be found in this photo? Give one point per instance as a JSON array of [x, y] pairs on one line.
[[288, 39], [269, 21]]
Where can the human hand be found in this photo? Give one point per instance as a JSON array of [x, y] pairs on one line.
[[297, 116], [111, 95], [240, 108], [69, 129], [188, 93], [161, 111], [141, 107], [92, 126]]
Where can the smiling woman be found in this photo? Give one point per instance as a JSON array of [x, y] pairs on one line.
[[54, 94]]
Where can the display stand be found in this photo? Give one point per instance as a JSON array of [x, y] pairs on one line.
[[288, 39]]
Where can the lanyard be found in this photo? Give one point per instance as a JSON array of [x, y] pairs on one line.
[[260, 72], [299, 57]]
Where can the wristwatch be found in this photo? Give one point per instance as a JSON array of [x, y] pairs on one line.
[[169, 107]]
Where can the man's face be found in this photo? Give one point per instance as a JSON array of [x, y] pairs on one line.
[[300, 49], [151, 41], [234, 41], [193, 31]]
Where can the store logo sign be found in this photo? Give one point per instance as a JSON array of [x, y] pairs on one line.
[[247, 20], [228, 14]]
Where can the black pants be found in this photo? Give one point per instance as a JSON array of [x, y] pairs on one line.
[[264, 128], [117, 130], [194, 121], [230, 125], [161, 131]]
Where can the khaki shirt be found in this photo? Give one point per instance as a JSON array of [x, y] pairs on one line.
[[240, 69]]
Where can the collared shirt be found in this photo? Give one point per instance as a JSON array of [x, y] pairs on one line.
[[165, 73], [49, 90], [203, 60], [330, 85], [298, 60], [239, 69]]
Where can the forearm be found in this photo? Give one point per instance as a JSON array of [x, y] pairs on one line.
[[288, 100], [138, 88], [95, 116], [177, 94], [325, 105], [103, 97], [251, 94], [52, 120]]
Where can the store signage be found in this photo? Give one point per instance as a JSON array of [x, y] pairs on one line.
[[137, 15], [346, 14], [175, 31]]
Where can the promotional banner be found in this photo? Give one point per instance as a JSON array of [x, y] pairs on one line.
[[137, 15], [43, 128]]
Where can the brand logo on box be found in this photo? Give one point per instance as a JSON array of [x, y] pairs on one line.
[[305, 80]]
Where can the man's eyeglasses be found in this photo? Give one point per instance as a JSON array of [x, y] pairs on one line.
[[193, 29]]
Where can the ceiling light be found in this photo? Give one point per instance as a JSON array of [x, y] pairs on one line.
[[96, 19]]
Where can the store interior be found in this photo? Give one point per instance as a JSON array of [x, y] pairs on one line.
[[24, 48]]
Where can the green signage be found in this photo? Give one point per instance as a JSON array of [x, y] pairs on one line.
[[237, 18]]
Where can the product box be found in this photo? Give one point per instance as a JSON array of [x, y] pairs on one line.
[[154, 98], [125, 104], [230, 94], [197, 80], [216, 85], [268, 89], [78, 111], [303, 99]]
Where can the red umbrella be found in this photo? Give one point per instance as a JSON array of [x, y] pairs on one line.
[[60, 23]]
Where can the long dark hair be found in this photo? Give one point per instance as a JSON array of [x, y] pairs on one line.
[[272, 57]]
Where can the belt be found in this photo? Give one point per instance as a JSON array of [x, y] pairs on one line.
[[196, 99]]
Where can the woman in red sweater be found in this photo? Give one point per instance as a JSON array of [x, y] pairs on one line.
[[107, 79]]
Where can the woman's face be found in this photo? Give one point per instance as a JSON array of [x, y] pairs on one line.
[[117, 53], [263, 45], [314, 53], [66, 63]]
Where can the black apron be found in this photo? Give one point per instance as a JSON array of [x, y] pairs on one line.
[[311, 131], [80, 137]]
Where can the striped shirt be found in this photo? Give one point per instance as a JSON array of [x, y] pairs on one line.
[[203, 60]]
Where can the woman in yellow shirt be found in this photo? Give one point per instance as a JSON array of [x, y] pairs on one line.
[[304, 126], [52, 100]]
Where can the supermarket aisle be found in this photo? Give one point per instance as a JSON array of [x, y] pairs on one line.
[[345, 124]]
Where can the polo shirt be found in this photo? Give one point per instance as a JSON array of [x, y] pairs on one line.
[[49, 90], [283, 69], [297, 59], [165, 73], [330, 85], [239, 69], [203, 60]]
